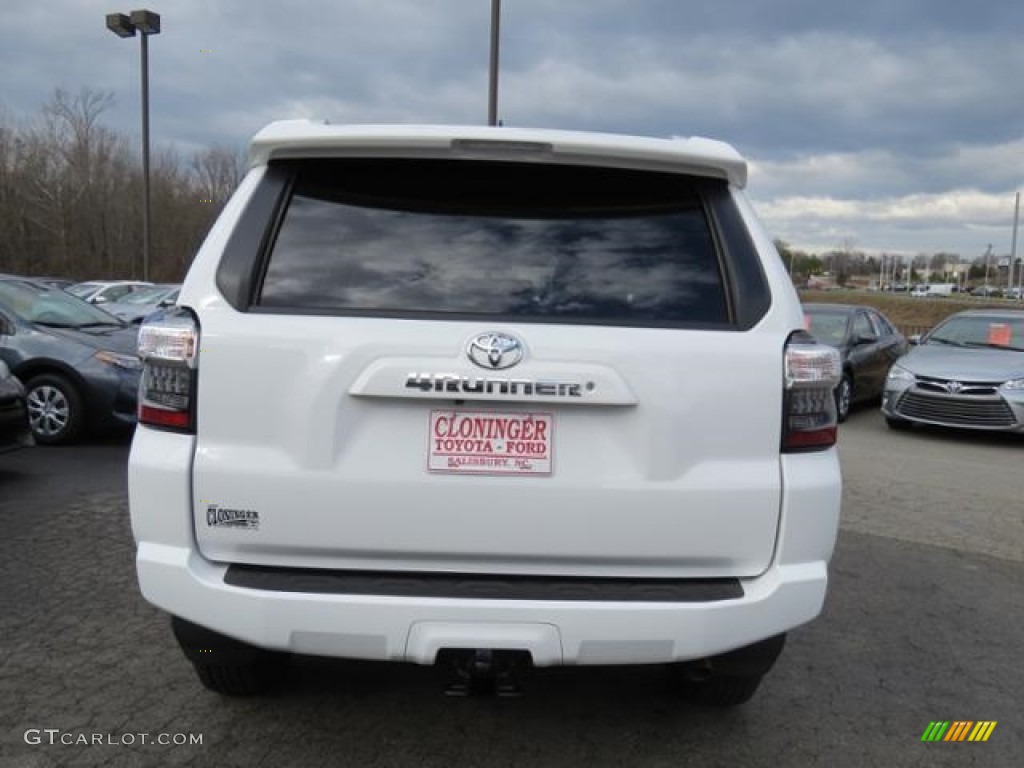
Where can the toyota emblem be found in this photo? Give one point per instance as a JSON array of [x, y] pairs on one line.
[[495, 351]]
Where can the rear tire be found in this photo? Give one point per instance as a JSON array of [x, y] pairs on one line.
[[250, 679], [721, 691], [228, 666], [729, 679]]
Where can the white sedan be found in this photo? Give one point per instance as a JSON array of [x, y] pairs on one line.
[[105, 291]]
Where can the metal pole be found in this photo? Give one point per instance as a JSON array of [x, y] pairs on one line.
[[145, 157], [1013, 246], [492, 100]]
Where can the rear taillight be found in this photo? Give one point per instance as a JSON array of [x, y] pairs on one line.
[[812, 371], [169, 350]]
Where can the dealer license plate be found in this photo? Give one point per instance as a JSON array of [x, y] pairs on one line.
[[490, 443]]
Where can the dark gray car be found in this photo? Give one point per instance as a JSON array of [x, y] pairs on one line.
[[967, 372], [77, 362], [868, 344], [14, 429]]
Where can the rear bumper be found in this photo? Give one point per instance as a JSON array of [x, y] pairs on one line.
[[414, 629], [175, 577]]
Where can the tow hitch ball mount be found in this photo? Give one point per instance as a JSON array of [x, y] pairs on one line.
[[483, 671]]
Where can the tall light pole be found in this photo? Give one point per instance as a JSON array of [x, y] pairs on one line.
[[1013, 246], [147, 23], [492, 93]]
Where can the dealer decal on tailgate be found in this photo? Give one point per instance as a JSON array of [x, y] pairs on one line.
[[490, 443]]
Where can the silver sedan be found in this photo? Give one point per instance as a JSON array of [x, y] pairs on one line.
[[967, 372]]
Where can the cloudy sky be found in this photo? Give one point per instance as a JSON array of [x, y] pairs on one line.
[[885, 125]]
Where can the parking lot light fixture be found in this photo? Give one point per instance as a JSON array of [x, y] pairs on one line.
[[120, 24], [147, 23]]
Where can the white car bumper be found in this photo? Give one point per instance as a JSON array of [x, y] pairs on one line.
[[414, 629], [175, 577]]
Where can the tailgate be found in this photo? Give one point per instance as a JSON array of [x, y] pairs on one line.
[[665, 464]]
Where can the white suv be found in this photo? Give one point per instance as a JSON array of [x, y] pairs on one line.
[[487, 396]]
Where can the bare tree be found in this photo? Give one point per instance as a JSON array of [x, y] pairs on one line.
[[70, 195], [217, 172], [63, 158]]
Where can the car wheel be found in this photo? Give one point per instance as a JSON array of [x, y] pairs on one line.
[[228, 666], [54, 409], [728, 679], [719, 690], [248, 679], [844, 396], [900, 425]]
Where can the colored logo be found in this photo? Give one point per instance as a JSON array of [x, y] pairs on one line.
[[958, 730]]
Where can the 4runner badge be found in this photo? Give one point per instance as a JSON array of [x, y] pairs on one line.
[[495, 351], [222, 517]]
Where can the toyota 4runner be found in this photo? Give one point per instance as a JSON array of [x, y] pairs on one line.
[[487, 396]]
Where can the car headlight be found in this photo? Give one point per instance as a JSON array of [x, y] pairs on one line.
[[1014, 384], [899, 375], [128, 362]]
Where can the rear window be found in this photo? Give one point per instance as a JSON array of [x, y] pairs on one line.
[[829, 327], [82, 289], [511, 240]]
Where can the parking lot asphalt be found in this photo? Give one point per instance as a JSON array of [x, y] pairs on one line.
[[923, 622]]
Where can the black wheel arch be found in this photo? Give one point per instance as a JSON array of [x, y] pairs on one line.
[[29, 369]]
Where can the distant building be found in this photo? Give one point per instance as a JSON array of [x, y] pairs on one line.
[[820, 282], [862, 281]]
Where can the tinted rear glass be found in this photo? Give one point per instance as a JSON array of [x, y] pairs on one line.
[[826, 326], [520, 241]]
